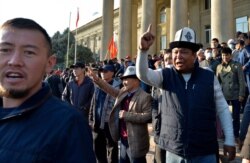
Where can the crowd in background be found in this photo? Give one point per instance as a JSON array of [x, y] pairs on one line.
[[185, 93], [229, 60]]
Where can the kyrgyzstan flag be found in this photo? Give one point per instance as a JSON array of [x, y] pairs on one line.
[[77, 17], [112, 49]]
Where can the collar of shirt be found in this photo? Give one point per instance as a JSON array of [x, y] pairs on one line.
[[132, 92]]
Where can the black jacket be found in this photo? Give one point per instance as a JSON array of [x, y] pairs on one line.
[[79, 96], [44, 129]]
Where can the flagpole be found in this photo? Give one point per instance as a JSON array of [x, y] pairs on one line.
[[77, 19], [75, 45], [67, 60]]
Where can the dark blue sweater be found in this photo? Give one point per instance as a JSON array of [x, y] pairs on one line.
[[44, 129], [79, 96]]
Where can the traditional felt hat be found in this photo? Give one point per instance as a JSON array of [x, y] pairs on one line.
[[129, 73], [185, 38], [231, 41]]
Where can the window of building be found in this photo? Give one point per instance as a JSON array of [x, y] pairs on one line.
[[163, 42], [207, 4], [242, 24], [163, 16], [208, 33]]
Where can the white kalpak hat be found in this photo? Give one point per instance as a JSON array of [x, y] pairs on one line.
[[185, 38], [129, 73]]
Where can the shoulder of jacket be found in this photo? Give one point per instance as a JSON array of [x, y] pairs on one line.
[[116, 81], [235, 64], [219, 65]]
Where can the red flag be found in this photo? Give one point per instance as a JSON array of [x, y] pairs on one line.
[[77, 18], [112, 49]]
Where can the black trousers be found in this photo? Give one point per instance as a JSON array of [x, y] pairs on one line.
[[105, 148]]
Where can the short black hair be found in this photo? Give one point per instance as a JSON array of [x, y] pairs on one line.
[[226, 50], [24, 23], [238, 33], [215, 39]]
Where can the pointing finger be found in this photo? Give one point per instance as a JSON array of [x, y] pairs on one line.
[[149, 28]]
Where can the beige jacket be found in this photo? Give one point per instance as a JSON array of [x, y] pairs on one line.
[[136, 118]]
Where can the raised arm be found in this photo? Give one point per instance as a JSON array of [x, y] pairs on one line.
[[224, 115], [103, 85], [149, 76]]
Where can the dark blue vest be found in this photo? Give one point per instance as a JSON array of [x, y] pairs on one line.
[[188, 113]]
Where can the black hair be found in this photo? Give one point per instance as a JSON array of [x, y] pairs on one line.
[[24, 23], [226, 50], [245, 35], [215, 39], [238, 33], [241, 42]]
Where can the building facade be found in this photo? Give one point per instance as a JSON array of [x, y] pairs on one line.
[[209, 18]]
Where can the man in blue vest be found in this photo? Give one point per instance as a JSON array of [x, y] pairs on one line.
[[191, 99]]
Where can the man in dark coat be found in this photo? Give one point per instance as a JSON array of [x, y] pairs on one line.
[[34, 125]]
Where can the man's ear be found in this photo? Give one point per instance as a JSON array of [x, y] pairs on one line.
[[51, 63]]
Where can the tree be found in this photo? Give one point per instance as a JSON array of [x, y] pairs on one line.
[[84, 54], [60, 43]]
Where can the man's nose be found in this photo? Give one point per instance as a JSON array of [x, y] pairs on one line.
[[178, 54], [15, 59]]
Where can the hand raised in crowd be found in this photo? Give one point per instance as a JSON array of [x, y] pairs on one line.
[[229, 152], [147, 39], [92, 74]]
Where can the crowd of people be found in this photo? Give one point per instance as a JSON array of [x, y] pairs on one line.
[[99, 112], [229, 63]]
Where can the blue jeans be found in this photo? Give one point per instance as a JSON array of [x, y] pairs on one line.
[[170, 157], [125, 154], [245, 120]]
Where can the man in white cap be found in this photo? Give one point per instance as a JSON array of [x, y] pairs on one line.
[[129, 116], [231, 44], [191, 99]]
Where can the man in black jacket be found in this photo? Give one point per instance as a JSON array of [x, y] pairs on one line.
[[79, 91], [34, 125]]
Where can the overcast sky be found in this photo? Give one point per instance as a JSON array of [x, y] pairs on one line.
[[53, 15]]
